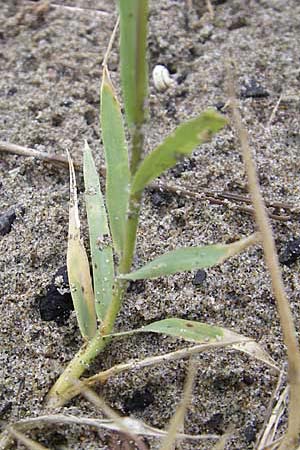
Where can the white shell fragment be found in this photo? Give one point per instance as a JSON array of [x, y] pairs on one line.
[[161, 78]]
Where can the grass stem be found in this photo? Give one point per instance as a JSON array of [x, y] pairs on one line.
[[286, 319]]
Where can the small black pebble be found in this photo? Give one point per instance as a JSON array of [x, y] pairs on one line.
[[250, 433], [89, 116], [254, 89], [139, 400], [186, 165], [137, 287], [219, 105], [199, 278], [6, 408], [57, 303], [7, 219], [159, 198], [57, 119], [291, 252], [214, 423], [12, 91]]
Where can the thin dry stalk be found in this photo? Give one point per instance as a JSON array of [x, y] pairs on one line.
[[272, 426], [111, 41], [286, 319], [274, 111], [213, 197], [29, 443], [210, 9], [177, 421], [221, 444], [92, 397], [266, 434]]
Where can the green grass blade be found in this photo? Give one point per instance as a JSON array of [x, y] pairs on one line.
[[210, 336], [79, 268], [134, 69], [100, 240], [176, 146], [190, 330], [117, 167], [190, 258]]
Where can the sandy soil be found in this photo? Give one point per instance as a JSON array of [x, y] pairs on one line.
[[50, 75]]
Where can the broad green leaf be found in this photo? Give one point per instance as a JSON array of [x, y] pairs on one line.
[[116, 157], [134, 70], [79, 268], [176, 146], [100, 240], [190, 258]]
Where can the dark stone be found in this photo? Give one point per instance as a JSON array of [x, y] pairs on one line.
[[89, 116], [214, 423], [199, 278], [12, 91], [250, 433], [291, 252], [6, 408], [57, 304], [253, 89], [66, 103], [137, 287], [183, 166], [57, 120], [219, 105], [248, 379], [139, 400], [160, 198], [7, 219]]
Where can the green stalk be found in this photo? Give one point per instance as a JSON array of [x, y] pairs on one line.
[[134, 75], [62, 390], [131, 231], [59, 393]]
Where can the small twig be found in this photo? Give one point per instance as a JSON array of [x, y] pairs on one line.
[[177, 420], [210, 9], [76, 8], [110, 44], [29, 443], [269, 427], [274, 111], [56, 160], [97, 401], [213, 197], [138, 426]]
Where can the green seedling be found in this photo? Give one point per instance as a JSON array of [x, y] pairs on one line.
[[113, 222]]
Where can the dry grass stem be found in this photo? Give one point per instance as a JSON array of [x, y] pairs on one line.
[[274, 111], [177, 421], [97, 401], [272, 426], [29, 443], [271, 258], [264, 434], [210, 9], [218, 198]]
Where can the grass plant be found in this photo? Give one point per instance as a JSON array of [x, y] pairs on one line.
[[113, 219]]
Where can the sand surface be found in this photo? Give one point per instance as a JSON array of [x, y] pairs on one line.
[[50, 69]]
